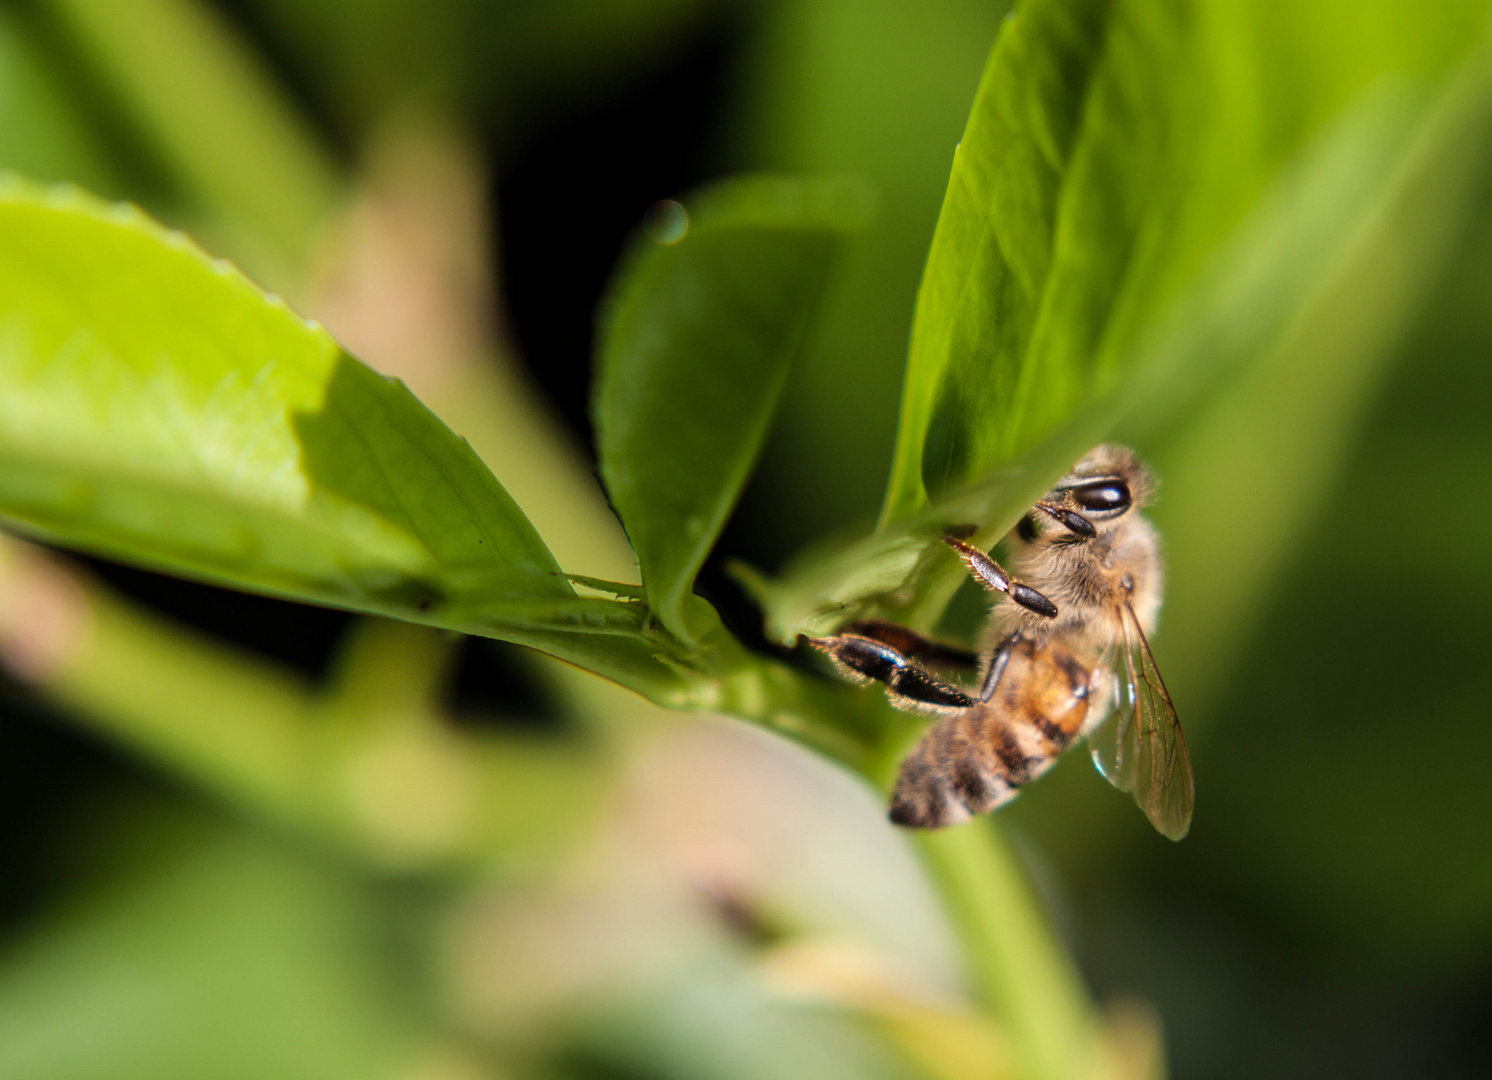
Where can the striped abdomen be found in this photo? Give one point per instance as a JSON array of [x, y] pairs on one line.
[[978, 759]]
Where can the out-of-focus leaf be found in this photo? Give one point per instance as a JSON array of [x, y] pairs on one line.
[[370, 766], [224, 958], [366, 58], [1145, 198], [697, 341], [219, 123], [1299, 821], [710, 1020], [1278, 438], [41, 132]]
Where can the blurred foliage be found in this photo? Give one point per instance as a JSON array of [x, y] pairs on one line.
[[239, 157], [1207, 241], [468, 56], [45, 134], [216, 952], [1402, 875]]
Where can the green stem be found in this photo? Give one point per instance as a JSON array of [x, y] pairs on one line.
[[390, 669], [1018, 965], [234, 724], [840, 721]]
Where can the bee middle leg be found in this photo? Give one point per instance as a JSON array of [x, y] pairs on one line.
[[997, 665], [867, 659], [993, 577], [911, 644]]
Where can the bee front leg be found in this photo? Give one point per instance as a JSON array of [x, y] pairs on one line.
[[1070, 520], [865, 659], [991, 576]]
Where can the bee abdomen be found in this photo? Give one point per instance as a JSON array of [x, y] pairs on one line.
[[979, 758], [951, 776]]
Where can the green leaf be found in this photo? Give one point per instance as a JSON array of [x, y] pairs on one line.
[[1145, 199], [156, 408], [1113, 150], [42, 131], [835, 86], [697, 342]]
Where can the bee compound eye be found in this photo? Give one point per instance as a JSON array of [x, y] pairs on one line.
[[1108, 495]]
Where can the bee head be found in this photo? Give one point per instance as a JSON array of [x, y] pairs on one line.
[[1107, 484]]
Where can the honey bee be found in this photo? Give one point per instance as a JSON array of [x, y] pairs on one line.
[[1069, 653]]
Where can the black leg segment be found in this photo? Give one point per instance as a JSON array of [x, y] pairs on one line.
[[908, 686], [998, 664], [1071, 520], [911, 645], [992, 576]]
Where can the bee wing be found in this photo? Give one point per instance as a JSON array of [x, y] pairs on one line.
[[1114, 744], [1156, 754]]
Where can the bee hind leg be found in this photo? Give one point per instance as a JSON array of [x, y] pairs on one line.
[[866, 659]]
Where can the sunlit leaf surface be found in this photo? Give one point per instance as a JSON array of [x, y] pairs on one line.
[[155, 407]]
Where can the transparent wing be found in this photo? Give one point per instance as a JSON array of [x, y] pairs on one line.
[[1112, 742], [1154, 757]]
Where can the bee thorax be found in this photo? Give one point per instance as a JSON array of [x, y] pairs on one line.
[[1090, 582]]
